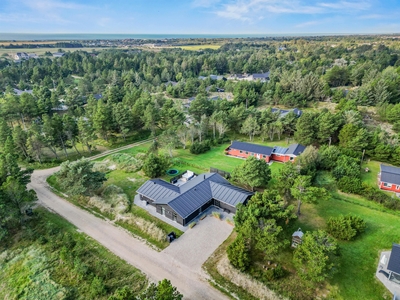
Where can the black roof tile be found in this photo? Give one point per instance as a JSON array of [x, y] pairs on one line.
[[254, 148], [394, 261], [390, 174]]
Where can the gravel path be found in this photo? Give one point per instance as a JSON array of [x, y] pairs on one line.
[[190, 281]]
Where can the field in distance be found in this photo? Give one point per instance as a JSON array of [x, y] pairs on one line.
[[200, 47]]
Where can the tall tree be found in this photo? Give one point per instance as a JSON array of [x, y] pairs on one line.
[[304, 192], [306, 129], [252, 173], [102, 119], [315, 258], [250, 127]]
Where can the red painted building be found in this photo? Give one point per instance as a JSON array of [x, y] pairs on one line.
[[389, 178], [244, 150]]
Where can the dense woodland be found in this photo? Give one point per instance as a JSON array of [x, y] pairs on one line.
[[348, 89]]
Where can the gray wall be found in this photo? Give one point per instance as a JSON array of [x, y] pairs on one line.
[[169, 213]]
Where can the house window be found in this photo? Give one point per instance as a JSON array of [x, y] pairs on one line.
[[291, 158], [387, 184], [264, 156], [247, 152], [240, 151]]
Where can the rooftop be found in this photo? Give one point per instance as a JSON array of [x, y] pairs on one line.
[[187, 198], [254, 148], [390, 174]]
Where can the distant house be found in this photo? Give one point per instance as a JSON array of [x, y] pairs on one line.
[[218, 90], [284, 112], [20, 92], [212, 77], [173, 83], [389, 178], [21, 56], [58, 54], [33, 55], [185, 201], [263, 77], [98, 96], [244, 150]]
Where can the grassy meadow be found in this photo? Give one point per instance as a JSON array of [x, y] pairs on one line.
[[200, 47], [50, 259]]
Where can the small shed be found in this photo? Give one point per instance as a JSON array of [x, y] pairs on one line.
[[297, 238]]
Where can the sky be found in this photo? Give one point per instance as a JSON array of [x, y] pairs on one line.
[[200, 16]]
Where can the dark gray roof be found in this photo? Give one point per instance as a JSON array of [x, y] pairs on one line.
[[157, 189], [285, 112], [98, 96], [394, 261], [261, 75], [227, 193], [390, 174], [186, 199], [295, 149], [259, 149]]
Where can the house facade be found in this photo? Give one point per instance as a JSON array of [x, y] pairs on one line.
[[389, 178], [282, 154], [184, 202]]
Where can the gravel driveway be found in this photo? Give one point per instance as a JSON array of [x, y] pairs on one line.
[[194, 247]]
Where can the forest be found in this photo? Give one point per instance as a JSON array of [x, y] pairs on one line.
[[347, 90]]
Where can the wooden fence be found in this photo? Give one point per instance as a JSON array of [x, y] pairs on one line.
[[225, 174]]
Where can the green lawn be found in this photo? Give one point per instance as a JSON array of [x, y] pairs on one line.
[[370, 177], [200, 47], [359, 258]]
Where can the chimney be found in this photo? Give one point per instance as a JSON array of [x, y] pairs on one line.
[[204, 176]]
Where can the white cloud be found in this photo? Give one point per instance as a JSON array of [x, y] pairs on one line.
[[346, 5], [251, 9], [205, 3], [307, 24]]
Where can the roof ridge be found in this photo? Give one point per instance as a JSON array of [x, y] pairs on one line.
[[181, 194]]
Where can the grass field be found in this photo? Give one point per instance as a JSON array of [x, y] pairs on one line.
[[200, 47], [371, 177], [41, 51], [50, 259], [359, 258]]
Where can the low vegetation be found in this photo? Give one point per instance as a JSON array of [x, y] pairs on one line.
[[111, 201], [50, 259]]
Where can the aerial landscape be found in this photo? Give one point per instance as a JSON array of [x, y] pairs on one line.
[[202, 149]]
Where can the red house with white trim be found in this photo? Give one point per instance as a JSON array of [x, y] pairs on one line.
[[244, 150], [389, 178]]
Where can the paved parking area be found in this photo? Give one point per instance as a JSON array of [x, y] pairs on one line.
[[194, 247]]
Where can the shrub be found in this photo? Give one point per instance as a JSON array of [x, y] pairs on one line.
[[238, 254], [345, 227], [350, 185], [191, 225], [198, 148], [97, 287], [155, 166], [216, 215]]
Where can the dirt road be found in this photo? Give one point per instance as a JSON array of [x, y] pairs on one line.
[[191, 282]]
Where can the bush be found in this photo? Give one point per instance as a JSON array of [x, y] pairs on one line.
[[155, 166], [350, 185], [238, 254], [198, 148], [216, 215], [97, 287], [345, 228], [191, 225], [374, 194]]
